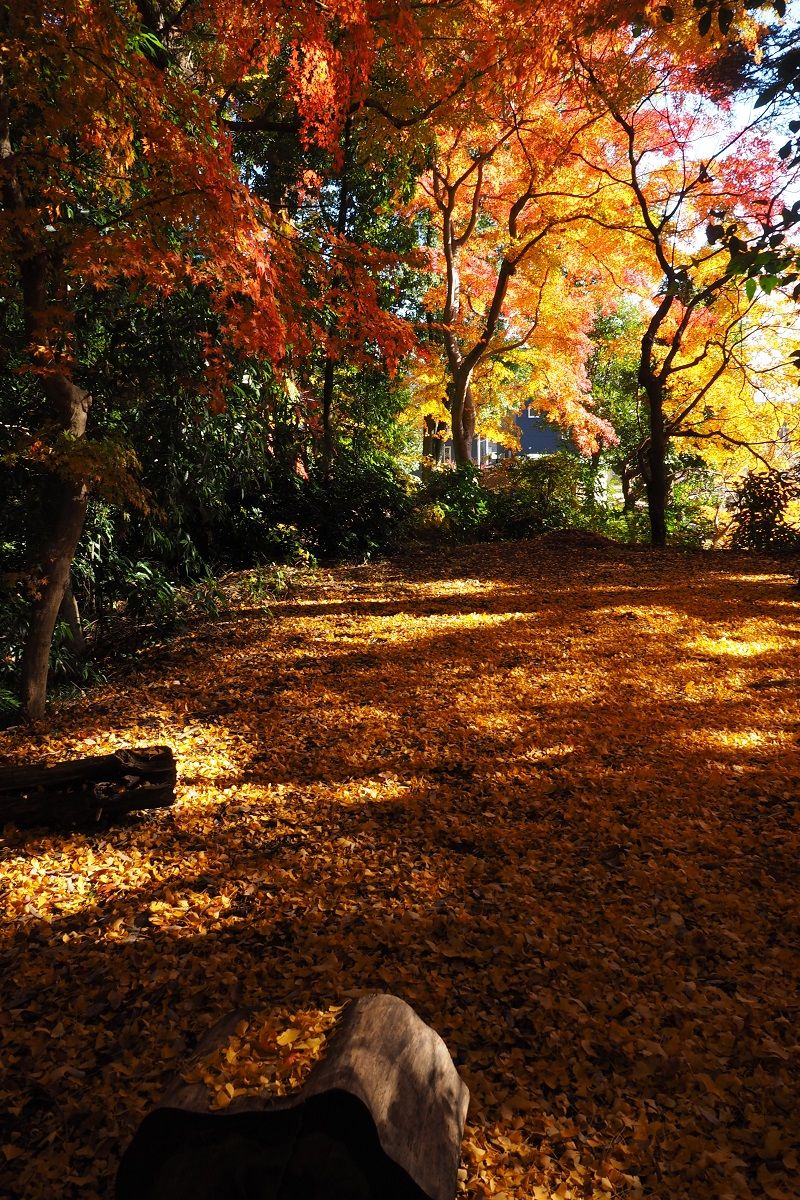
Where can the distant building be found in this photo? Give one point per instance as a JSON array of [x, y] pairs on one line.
[[538, 436]]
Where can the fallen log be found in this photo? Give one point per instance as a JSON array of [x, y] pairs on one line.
[[81, 791], [380, 1117]]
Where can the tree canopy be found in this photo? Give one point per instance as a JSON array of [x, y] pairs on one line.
[[333, 213]]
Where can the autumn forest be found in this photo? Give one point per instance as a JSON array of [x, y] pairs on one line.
[[400, 532]]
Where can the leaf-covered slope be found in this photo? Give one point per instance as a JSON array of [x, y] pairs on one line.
[[548, 796]]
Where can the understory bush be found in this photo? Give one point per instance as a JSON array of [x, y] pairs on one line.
[[689, 513], [451, 504], [536, 495], [760, 507], [359, 507], [525, 497], [517, 498]]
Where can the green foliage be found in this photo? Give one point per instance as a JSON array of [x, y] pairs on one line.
[[632, 527], [359, 509], [692, 499], [288, 544], [524, 497], [518, 498], [203, 598], [145, 590], [9, 705], [13, 611], [428, 522], [759, 507], [453, 505], [264, 584], [613, 370], [540, 494]]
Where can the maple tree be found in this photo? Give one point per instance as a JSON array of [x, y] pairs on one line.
[[117, 169], [693, 182], [510, 176], [506, 195]]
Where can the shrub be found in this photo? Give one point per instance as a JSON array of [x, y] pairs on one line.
[[534, 495], [428, 522], [358, 510], [759, 505], [690, 520], [453, 503], [288, 545]]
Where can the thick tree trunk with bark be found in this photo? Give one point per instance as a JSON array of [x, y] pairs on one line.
[[462, 418], [64, 503], [78, 792], [654, 467], [43, 287], [381, 1117], [656, 486]]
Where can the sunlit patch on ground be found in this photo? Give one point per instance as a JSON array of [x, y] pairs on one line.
[[736, 647], [549, 799]]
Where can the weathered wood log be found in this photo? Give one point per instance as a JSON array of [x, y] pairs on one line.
[[381, 1117], [81, 791]]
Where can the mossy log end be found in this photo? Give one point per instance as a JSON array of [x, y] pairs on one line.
[[381, 1117], [86, 789]]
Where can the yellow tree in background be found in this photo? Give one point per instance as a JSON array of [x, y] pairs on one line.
[[529, 241], [714, 364]]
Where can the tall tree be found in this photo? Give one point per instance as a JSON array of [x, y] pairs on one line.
[[512, 199], [693, 178], [116, 168]]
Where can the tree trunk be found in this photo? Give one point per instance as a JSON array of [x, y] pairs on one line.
[[433, 438], [63, 511], [652, 454], [329, 376], [381, 1117], [654, 469], [468, 417], [462, 419], [657, 505], [628, 495], [81, 791], [70, 614], [328, 380], [593, 476]]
